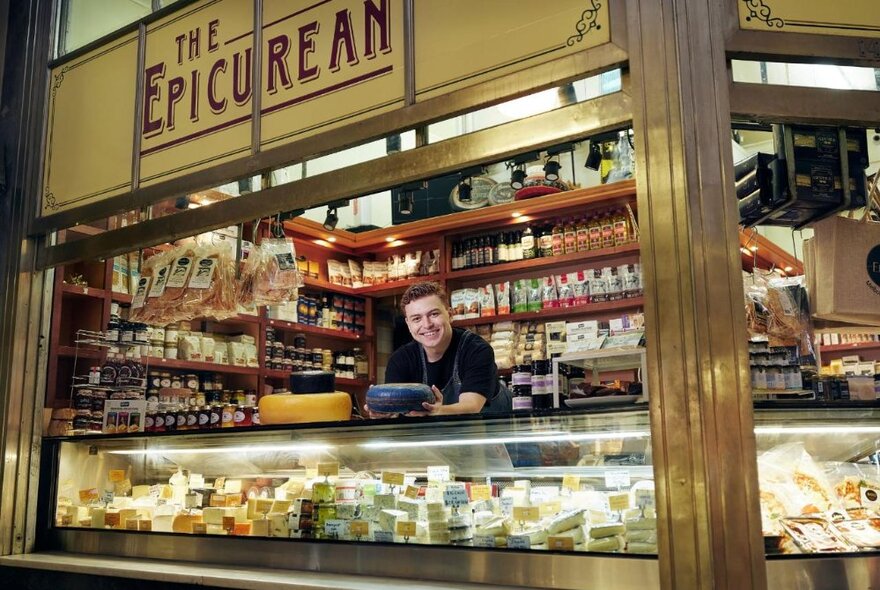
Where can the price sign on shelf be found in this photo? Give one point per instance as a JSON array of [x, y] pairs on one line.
[[438, 473], [412, 492], [328, 469], [359, 528], [89, 495], [571, 482], [393, 478], [506, 506], [618, 502], [519, 542], [107, 497], [481, 492], [117, 475], [406, 528], [560, 543], [383, 537], [526, 513], [335, 528], [550, 507], [455, 496], [619, 478]]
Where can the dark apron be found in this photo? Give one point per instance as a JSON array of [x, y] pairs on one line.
[[499, 404]]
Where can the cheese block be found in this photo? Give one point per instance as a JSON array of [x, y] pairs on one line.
[[643, 524], [649, 548], [605, 544], [215, 529], [98, 518], [139, 491], [388, 519], [280, 506], [642, 537], [385, 501], [496, 526], [257, 507], [536, 535], [183, 523], [126, 514], [260, 527], [576, 533], [286, 408], [163, 523], [398, 398], [565, 521], [346, 511], [213, 515], [411, 507], [606, 530]]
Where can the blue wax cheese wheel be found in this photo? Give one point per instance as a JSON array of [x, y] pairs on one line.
[[398, 398]]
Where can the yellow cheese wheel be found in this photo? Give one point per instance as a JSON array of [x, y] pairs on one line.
[[287, 408], [183, 523]]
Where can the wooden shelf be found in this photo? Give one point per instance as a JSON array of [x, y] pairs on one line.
[[121, 297], [395, 287], [848, 347], [328, 286], [160, 363], [78, 291], [507, 268], [295, 327], [83, 352], [557, 312]]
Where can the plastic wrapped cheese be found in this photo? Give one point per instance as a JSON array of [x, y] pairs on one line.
[[305, 407]]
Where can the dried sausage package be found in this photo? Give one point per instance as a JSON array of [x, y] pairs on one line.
[[270, 275]]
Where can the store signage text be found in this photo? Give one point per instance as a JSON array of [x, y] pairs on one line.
[[291, 61]]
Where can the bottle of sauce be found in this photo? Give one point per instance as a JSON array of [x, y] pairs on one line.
[[621, 228], [516, 246], [527, 243], [595, 229], [570, 236], [547, 241], [583, 235], [608, 231], [558, 238]]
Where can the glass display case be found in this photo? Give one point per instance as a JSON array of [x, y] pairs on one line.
[[551, 484], [819, 477]]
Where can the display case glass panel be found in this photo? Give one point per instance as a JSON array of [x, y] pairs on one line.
[[561, 482]]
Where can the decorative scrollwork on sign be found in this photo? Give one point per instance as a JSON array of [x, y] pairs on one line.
[[760, 11], [586, 24], [59, 78], [49, 198]]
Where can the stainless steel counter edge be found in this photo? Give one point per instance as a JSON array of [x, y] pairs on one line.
[[222, 576]]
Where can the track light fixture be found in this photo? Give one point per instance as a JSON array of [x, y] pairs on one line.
[[594, 158], [332, 219], [518, 177], [551, 170], [405, 202]]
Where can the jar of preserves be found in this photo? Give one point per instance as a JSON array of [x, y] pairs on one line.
[[227, 418]]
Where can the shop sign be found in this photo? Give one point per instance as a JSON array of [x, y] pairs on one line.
[[853, 18], [324, 64]]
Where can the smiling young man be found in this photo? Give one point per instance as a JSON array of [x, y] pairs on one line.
[[457, 364]]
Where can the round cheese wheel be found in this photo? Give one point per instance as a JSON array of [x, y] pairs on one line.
[[312, 382], [285, 408], [398, 398]]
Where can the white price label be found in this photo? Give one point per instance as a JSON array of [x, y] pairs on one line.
[[438, 473], [203, 273], [645, 499], [141, 293], [484, 541], [455, 496], [155, 490], [159, 284], [617, 479], [335, 528], [506, 506], [179, 272], [383, 537], [519, 542], [107, 497]]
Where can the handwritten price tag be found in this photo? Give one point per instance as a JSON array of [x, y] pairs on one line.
[[117, 475], [506, 506], [359, 528], [111, 519], [484, 541], [200, 528], [550, 507], [328, 469], [438, 473], [481, 492], [618, 502], [131, 524], [617, 479], [335, 527], [107, 497], [645, 499], [392, 478], [560, 543], [406, 528], [519, 542], [526, 513], [456, 496], [412, 492]]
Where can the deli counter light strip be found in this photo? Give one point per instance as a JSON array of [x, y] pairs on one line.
[[817, 430], [208, 451], [506, 440]]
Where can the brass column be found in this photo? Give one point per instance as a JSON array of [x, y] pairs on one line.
[[701, 414]]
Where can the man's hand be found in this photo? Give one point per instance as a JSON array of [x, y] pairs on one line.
[[377, 415], [430, 409]]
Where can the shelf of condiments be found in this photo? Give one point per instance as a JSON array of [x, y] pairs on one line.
[[607, 229], [298, 356], [330, 311], [197, 402], [590, 285]]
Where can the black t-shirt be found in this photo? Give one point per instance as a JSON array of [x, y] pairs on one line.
[[476, 365]]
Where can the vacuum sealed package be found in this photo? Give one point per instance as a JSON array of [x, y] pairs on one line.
[[270, 275], [535, 300], [487, 301], [549, 297], [520, 296], [502, 298], [565, 291], [356, 272], [210, 291], [334, 272]]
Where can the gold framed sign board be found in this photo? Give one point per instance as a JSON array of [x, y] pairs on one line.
[[323, 64], [851, 18]]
